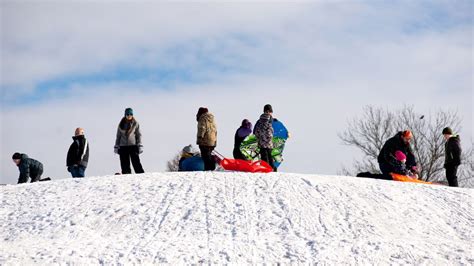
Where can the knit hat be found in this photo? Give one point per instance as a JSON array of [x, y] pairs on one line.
[[16, 156], [128, 111], [447, 130], [246, 124], [188, 149], [407, 134], [267, 108], [400, 156], [201, 111]]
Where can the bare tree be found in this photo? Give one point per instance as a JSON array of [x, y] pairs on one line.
[[173, 164], [370, 132]]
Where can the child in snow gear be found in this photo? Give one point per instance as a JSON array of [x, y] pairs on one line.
[[206, 137], [399, 142], [452, 157], [190, 161], [242, 132], [78, 154], [29, 168], [400, 166], [128, 143], [263, 130]]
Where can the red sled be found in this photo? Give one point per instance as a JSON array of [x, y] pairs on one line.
[[246, 166]]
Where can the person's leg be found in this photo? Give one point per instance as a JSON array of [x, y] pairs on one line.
[[265, 155], [451, 175], [209, 164], [35, 177], [124, 153], [386, 170], [137, 165]]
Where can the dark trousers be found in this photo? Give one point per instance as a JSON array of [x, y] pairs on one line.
[[77, 171], [238, 154], [386, 169], [266, 155], [128, 153], [451, 175], [206, 155], [36, 176]]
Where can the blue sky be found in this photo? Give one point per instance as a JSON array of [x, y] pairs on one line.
[[307, 57]]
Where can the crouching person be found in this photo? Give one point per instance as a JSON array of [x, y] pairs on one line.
[[78, 154], [29, 168], [190, 161]]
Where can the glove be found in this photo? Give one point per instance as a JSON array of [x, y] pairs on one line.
[[414, 169], [140, 149], [116, 149]]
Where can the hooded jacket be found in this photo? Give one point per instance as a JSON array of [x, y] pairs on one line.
[[78, 153], [29, 168], [263, 130], [206, 130], [452, 149], [128, 133]]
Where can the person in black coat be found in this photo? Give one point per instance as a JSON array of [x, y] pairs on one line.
[[29, 168], [452, 157], [78, 154], [399, 142], [242, 132]]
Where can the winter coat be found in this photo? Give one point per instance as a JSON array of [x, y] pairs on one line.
[[240, 135], [396, 144], [263, 130], [29, 168], [452, 150], [78, 153], [128, 133], [401, 168], [206, 130]]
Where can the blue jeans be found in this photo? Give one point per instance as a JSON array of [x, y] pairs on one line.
[[77, 171]]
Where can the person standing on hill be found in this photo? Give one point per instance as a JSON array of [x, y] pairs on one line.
[[206, 137], [263, 130], [242, 132], [78, 154], [29, 168], [399, 142], [452, 157], [128, 143]]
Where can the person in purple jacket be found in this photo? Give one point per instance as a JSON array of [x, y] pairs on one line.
[[242, 132]]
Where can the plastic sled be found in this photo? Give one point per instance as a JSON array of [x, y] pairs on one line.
[[404, 178], [246, 166]]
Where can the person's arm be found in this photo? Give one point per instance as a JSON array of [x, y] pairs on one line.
[[456, 153], [24, 172], [201, 131]]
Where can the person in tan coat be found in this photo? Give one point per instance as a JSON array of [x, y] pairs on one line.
[[206, 137]]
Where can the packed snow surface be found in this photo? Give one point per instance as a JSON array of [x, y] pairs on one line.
[[235, 218]]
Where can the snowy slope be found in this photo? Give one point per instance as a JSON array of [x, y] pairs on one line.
[[235, 218]]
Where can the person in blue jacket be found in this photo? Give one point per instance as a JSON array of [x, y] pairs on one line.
[[190, 161]]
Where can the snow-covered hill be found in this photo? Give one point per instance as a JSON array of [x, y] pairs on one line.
[[235, 218]]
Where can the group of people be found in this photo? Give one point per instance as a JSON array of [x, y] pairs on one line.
[[207, 140], [396, 155]]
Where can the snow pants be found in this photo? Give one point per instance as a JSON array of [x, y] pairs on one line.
[[128, 153]]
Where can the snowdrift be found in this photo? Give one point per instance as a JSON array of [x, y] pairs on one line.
[[236, 218]]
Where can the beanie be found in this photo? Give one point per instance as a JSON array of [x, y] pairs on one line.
[[447, 130], [407, 134], [128, 111], [246, 124], [267, 108], [16, 156], [400, 156], [188, 149]]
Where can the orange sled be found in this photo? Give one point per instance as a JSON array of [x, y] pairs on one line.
[[246, 166], [404, 178]]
